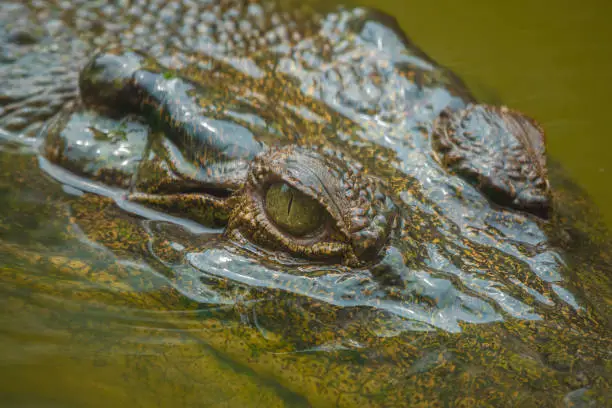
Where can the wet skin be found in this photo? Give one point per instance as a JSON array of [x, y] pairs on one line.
[[317, 143], [329, 139], [216, 170], [197, 155]]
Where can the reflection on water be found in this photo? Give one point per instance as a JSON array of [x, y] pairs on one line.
[[81, 327], [178, 318], [421, 298]]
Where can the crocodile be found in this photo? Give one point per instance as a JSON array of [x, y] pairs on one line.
[[221, 160], [304, 147]]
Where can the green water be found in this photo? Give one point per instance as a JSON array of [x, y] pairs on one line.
[[551, 59], [83, 326]]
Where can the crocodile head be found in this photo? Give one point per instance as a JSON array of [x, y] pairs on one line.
[[330, 142]]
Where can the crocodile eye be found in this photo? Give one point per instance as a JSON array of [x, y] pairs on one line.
[[292, 210], [297, 202]]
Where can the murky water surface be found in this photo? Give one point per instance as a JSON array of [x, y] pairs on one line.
[[151, 313]]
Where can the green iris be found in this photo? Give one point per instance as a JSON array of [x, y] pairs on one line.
[[293, 210]]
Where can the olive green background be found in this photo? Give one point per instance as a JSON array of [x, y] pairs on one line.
[[550, 59]]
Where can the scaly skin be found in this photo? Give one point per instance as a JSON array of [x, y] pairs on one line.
[[207, 142], [340, 105]]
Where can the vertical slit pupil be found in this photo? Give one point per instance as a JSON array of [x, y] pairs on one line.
[[290, 202]]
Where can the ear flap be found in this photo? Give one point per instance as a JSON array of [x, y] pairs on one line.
[[500, 151]]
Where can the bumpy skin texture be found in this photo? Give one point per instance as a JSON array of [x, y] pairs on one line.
[[360, 219], [205, 119], [443, 299], [210, 156], [499, 150]]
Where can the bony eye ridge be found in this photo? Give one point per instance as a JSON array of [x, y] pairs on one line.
[[301, 202], [293, 211]]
